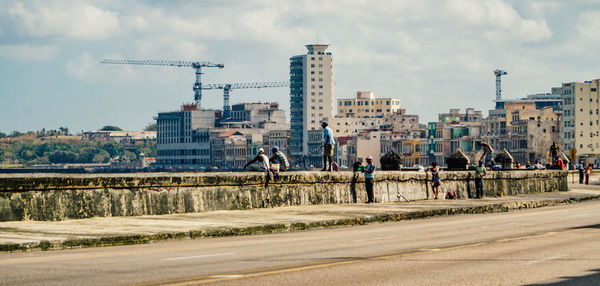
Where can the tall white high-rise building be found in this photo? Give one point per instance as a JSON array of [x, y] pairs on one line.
[[311, 95]]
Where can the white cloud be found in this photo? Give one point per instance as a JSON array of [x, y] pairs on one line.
[[589, 25], [89, 69], [28, 53], [69, 19], [498, 20]]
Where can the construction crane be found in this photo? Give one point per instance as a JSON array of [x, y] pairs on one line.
[[227, 87], [197, 66], [498, 74]]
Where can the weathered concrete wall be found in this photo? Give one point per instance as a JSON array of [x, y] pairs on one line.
[[61, 196]]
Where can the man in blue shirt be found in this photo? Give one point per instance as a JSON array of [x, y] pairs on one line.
[[328, 146], [369, 171]]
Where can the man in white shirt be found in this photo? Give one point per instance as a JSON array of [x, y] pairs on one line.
[[328, 146], [263, 165]]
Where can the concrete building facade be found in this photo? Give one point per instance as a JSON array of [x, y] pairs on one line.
[[367, 105], [311, 95], [183, 136], [580, 118]]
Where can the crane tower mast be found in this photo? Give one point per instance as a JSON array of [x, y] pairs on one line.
[[499, 74]]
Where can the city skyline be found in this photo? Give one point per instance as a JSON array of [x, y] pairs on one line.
[[422, 53]]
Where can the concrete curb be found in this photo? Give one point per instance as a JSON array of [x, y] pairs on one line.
[[279, 228]]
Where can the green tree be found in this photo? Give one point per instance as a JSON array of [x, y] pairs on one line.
[[150, 127], [87, 154], [110, 128], [112, 148], [27, 155], [62, 157], [101, 157], [2, 135]]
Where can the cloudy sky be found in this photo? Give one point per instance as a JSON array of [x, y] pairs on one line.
[[433, 55]]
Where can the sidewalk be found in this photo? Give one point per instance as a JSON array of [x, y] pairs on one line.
[[104, 231]]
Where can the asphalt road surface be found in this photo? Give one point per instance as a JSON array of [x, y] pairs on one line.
[[557, 246]]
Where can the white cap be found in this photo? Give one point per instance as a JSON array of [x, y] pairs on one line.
[[261, 150], [369, 158]]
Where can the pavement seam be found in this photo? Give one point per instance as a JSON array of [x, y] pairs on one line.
[[298, 226]]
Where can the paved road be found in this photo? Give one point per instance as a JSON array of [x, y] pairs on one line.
[[537, 246]]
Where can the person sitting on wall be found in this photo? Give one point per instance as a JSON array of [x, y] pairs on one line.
[[560, 164], [279, 162], [554, 150], [262, 166]]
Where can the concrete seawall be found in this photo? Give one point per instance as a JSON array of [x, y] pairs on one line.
[[65, 196]]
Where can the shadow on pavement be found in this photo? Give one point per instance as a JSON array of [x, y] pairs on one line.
[[588, 226], [590, 279]]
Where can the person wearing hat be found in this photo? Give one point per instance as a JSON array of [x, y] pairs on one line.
[[369, 171], [263, 164], [262, 159], [328, 146], [279, 162]]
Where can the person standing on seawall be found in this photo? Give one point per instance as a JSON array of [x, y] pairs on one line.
[[369, 176], [328, 146], [580, 168], [588, 172], [479, 173], [435, 179]]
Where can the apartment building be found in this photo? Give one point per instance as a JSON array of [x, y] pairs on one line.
[[580, 120], [367, 105], [311, 95]]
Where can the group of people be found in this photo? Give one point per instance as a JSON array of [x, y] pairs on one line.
[[584, 172], [278, 162]]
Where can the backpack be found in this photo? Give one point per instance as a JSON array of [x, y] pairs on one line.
[[451, 195]]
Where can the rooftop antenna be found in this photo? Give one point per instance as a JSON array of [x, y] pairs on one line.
[[317, 35]]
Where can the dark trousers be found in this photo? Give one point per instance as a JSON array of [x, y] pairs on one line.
[[581, 176], [479, 187], [369, 187]]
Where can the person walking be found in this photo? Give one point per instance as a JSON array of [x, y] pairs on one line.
[[328, 146], [369, 171], [435, 179], [480, 172], [580, 168]]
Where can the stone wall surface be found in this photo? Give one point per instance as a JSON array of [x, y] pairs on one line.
[[72, 196]]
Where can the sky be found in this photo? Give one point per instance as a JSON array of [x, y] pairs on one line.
[[432, 55]]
